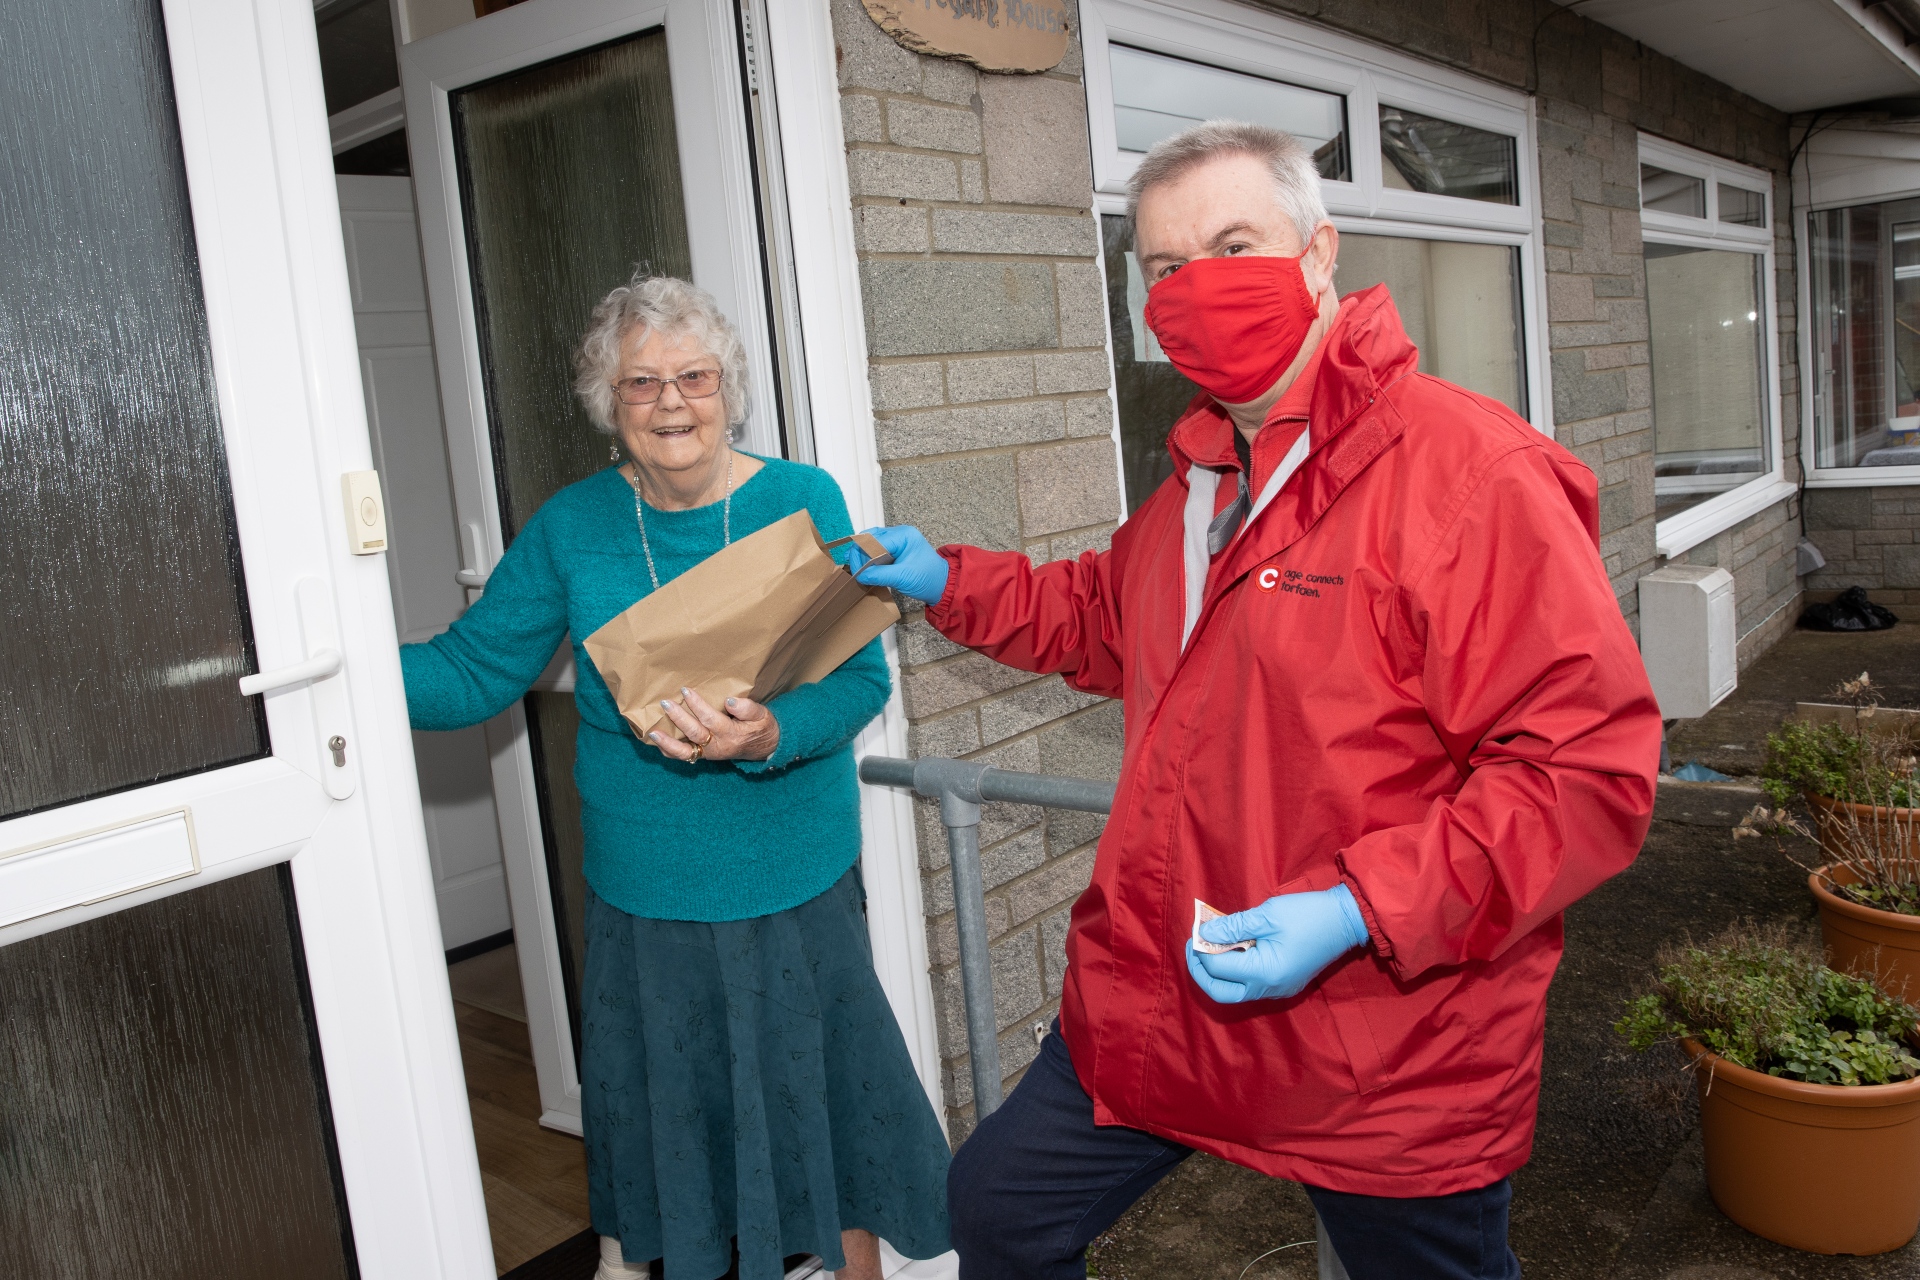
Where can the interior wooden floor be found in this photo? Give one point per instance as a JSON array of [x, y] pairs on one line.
[[535, 1179]]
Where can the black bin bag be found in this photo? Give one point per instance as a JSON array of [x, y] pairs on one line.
[[1849, 611]]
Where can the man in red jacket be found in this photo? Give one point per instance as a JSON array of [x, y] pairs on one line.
[[1380, 704]]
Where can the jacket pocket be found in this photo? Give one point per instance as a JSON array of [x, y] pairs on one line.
[[1357, 1040]]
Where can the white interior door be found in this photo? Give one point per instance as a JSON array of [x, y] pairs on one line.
[[597, 133], [410, 449], [179, 402]]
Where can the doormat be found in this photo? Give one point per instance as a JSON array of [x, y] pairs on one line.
[[576, 1258]]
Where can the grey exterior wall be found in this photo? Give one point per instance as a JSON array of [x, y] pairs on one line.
[[985, 322], [986, 328], [1868, 538]]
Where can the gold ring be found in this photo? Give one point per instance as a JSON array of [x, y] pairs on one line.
[[698, 747]]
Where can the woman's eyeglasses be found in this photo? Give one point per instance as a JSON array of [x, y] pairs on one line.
[[694, 384]]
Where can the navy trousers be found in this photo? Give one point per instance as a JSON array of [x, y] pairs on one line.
[[1038, 1181]]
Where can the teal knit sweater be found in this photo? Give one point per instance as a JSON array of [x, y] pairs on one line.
[[712, 840]]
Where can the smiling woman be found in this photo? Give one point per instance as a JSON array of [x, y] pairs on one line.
[[731, 1019]]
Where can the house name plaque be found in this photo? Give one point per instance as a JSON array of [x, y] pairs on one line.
[[994, 35]]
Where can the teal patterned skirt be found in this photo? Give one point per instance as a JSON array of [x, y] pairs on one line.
[[746, 1081]]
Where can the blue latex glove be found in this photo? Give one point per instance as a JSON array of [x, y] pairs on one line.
[[917, 569], [1296, 935]]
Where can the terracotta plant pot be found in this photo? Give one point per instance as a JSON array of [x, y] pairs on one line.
[[1895, 830], [1822, 1167], [1861, 939], [1866, 940]]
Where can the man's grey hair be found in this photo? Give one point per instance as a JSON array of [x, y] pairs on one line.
[[663, 305], [1296, 180]]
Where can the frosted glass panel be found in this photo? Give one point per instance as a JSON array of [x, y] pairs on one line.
[[1708, 343], [569, 175], [125, 624], [160, 1099], [1459, 302], [1155, 97]]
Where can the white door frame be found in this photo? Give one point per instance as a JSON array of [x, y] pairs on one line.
[[266, 222]]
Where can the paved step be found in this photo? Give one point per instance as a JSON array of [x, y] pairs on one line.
[[1705, 804]]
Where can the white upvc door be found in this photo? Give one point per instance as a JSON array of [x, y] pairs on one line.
[[335, 796]]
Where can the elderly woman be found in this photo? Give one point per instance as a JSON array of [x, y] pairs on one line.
[[744, 1082]]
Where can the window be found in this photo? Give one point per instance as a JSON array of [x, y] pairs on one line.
[[1864, 284], [1665, 191], [1420, 153], [1711, 340], [1709, 373], [1427, 176], [1460, 303], [1156, 97]]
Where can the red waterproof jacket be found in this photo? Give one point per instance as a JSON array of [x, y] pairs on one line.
[[1407, 672]]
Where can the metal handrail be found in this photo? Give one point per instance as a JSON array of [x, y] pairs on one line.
[[961, 787]]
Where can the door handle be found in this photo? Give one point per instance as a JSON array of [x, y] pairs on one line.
[[318, 667], [474, 579], [332, 723]]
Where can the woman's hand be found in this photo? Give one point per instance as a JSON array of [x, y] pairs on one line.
[[747, 730]]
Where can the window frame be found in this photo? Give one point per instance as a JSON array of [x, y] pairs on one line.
[[1236, 38], [1819, 477], [1695, 525]]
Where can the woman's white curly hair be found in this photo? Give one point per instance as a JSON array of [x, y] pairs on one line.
[[664, 305]]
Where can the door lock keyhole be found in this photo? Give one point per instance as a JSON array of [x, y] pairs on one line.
[[338, 745]]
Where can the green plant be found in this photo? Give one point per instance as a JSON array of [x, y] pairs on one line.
[[1862, 762], [1814, 759], [1762, 998], [1871, 762]]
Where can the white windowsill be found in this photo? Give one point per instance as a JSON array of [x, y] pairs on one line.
[[1862, 477], [1691, 528]]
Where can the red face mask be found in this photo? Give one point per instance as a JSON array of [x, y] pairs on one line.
[[1233, 325]]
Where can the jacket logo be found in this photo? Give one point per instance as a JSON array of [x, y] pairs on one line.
[[1297, 582]]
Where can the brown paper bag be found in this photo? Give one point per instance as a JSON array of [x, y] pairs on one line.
[[767, 614]]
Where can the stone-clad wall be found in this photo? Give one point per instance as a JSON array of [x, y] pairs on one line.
[[986, 329], [1595, 88], [1867, 536]]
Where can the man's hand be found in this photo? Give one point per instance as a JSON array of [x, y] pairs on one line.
[[917, 569], [1295, 936]]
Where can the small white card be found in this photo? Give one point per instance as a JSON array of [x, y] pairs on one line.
[[1203, 913]]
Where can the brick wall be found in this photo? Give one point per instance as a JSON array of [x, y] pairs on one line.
[[1760, 554], [1867, 536], [986, 329]]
